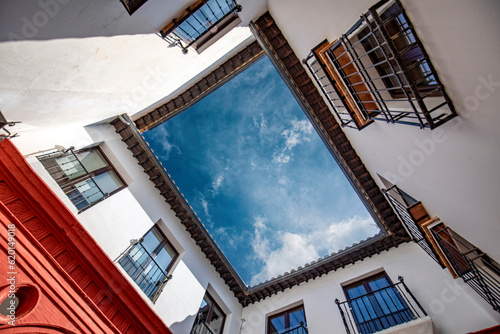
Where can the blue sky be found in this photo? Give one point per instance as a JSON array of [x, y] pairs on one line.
[[259, 177]]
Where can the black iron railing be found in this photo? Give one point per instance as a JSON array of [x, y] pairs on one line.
[[301, 329], [475, 267], [402, 202], [210, 17], [73, 178], [200, 327], [144, 270], [380, 309], [332, 95], [387, 72]]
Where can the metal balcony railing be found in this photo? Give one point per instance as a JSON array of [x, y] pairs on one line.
[[302, 329], [144, 270], [334, 98], [73, 178], [380, 309], [201, 328], [402, 202], [206, 20], [475, 267], [386, 71]]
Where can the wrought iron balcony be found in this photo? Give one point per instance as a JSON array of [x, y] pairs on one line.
[[475, 267], [200, 23], [379, 70], [74, 179], [302, 329], [3, 124], [201, 328], [403, 205], [144, 270], [380, 309]]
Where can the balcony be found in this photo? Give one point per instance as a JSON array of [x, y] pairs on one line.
[[201, 24], [144, 270], [302, 329], [382, 309], [475, 267], [412, 213], [379, 70]]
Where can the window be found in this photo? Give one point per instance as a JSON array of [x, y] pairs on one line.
[[292, 321], [86, 176], [210, 318], [376, 304], [132, 5], [148, 262], [379, 70], [200, 23]]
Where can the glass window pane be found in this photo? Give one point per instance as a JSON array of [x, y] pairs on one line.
[[278, 325], [216, 320], [108, 182], [356, 291], [165, 256], [296, 318], [70, 166], [378, 283], [92, 160]]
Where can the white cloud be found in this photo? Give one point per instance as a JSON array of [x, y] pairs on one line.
[[297, 249], [217, 183], [161, 139], [281, 158], [205, 205], [298, 133]]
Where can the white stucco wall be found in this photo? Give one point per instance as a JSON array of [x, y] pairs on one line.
[[453, 170], [452, 305], [64, 62]]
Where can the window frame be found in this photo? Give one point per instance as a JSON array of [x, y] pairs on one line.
[[364, 281], [50, 161], [220, 27], [210, 313], [144, 265], [286, 313]]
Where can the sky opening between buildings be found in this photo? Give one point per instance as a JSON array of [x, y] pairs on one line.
[[259, 177]]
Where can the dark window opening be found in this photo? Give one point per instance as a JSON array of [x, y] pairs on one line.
[[148, 262], [132, 5]]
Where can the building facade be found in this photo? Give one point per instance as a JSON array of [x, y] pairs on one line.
[[402, 93]]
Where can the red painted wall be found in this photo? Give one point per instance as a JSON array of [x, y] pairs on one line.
[[66, 283]]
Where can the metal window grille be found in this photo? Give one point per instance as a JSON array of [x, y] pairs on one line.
[[144, 270], [380, 309], [386, 71], [302, 329], [207, 20], [401, 202], [73, 178], [476, 268], [328, 89]]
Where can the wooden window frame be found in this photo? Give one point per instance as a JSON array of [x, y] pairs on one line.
[[287, 316]]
